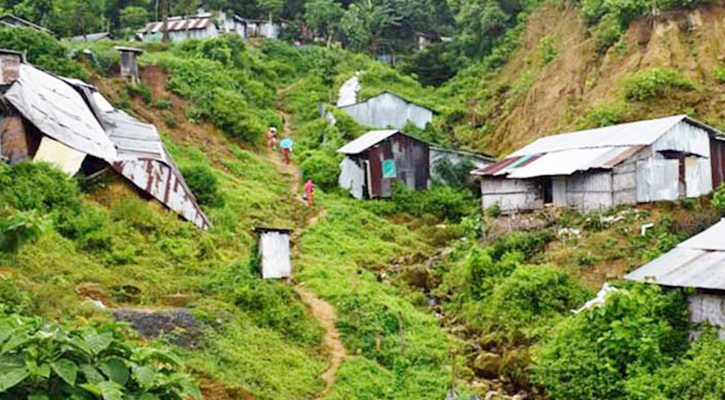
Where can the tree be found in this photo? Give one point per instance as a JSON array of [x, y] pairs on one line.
[[323, 16], [271, 7], [165, 18], [133, 17]]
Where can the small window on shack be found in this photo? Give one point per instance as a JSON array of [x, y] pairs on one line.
[[389, 169]]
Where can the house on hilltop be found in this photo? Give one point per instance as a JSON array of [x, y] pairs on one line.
[[388, 110], [697, 263], [207, 25], [376, 160], [68, 123], [661, 159]]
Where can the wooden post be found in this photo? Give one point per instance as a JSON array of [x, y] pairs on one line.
[[165, 20]]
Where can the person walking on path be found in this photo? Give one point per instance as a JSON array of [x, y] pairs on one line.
[[286, 145], [309, 188], [272, 138]]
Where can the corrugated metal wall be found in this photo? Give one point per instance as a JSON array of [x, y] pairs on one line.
[[590, 191], [717, 155], [274, 249], [411, 161], [387, 110], [511, 195]]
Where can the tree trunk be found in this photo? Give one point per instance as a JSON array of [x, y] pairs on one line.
[[165, 20], [187, 7]]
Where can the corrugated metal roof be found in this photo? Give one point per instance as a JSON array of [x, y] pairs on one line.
[[566, 162], [366, 141], [59, 112], [177, 25], [698, 262], [143, 158], [630, 134]]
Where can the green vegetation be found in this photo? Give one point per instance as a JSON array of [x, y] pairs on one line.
[[652, 83], [43, 361], [599, 352]]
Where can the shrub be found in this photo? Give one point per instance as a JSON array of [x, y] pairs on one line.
[[163, 104], [203, 183], [44, 361], [21, 227], [594, 353], [140, 90], [322, 169], [442, 202], [528, 243], [718, 199], [43, 50], [529, 299], [39, 186], [547, 50], [719, 74], [699, 374], [652, 83], [604, 114]]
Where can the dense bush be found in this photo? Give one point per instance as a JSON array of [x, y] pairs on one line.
[[528, 300], [204, 184], [594, 354], [322, 168], [528, 243], [698, 375], [42, 49], [442, 202], [43, 361], [21, 227], [652, 83], [39, 186]]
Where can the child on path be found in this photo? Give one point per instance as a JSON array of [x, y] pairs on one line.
[[286, 145], [272, 138], [309, 188]]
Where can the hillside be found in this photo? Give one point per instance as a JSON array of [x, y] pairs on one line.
[[558, 80], [391, 299]]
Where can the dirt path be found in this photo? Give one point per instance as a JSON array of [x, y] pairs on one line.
[[322, 311]]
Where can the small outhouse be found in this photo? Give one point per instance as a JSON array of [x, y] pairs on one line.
[[274, 252], [129, 62]]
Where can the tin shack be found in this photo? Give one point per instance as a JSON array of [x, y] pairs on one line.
[[376, 160], [660, 159], [274, 252], [698, 264]]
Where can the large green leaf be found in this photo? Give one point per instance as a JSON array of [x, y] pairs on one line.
[[115, 370], [15, 341], [11, 377], [66, 370], [111, 390], [91, 373], [145, 376], [97, 342]]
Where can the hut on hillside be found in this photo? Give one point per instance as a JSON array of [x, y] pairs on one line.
[[66, 122], [17, 22], [200, 26], [697, 263], [274, 252], [376, 160], [661, 159], [388, 110]]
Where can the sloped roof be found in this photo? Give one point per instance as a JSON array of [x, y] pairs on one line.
[[59, 112], [178, 24], [15, 21], [392, 94], [604, 147], [366, 141], [698, 262], [143, 158]]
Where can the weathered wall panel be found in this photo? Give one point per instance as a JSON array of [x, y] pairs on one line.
[[590, 191], [387, 110], [511, 195], [717, 155], [657, 179], [274, 250], [686, 138], [698, 176], [707, 308]]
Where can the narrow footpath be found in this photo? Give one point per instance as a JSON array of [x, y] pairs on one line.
[[321, 310]]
